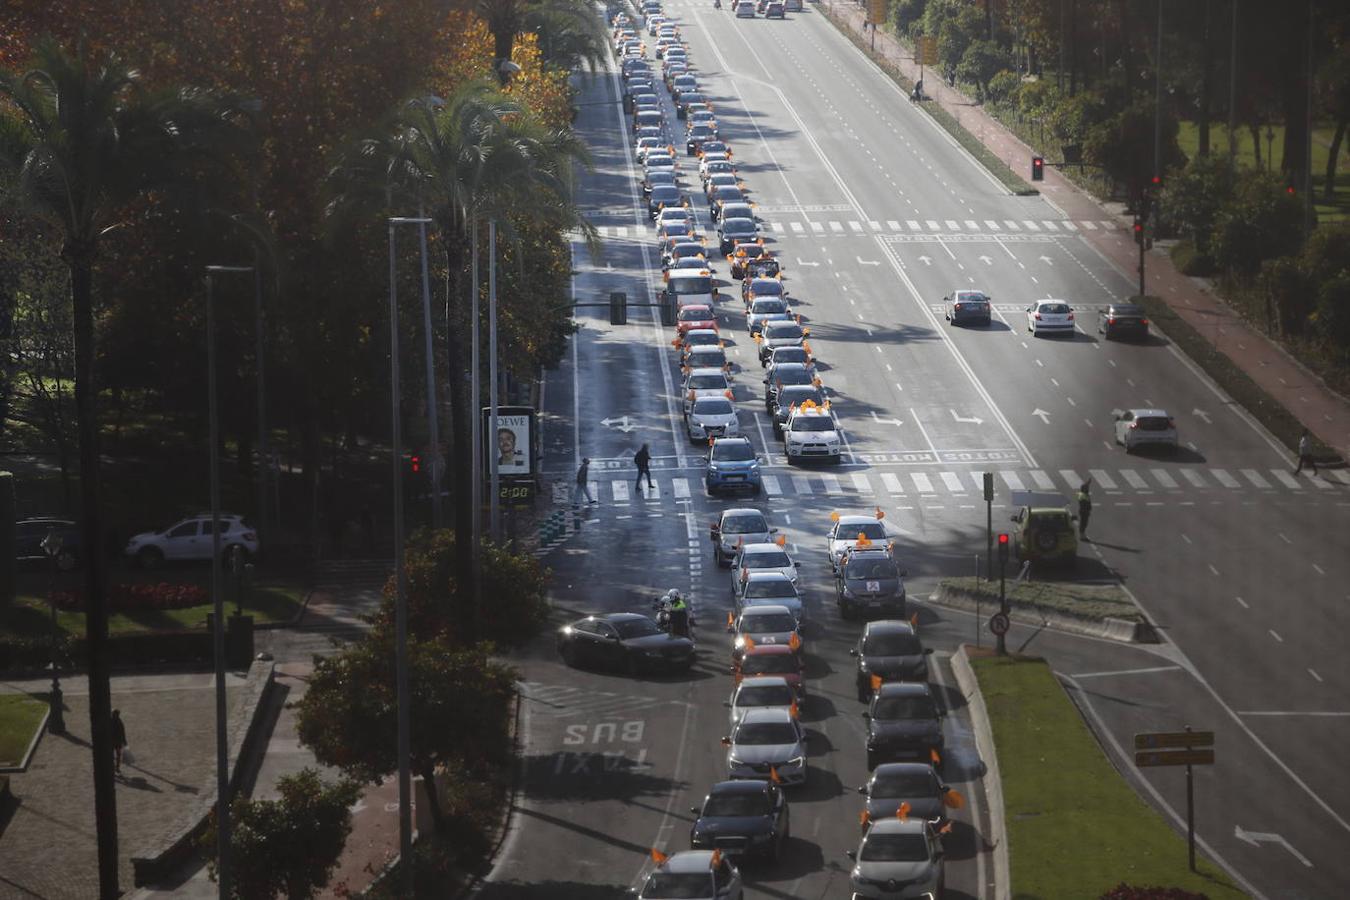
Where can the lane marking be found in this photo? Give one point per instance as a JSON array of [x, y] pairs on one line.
[[1146, 671]]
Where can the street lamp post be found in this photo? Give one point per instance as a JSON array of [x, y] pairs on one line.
[[56, 718], [494, 481], [217, 594], [400, 576]]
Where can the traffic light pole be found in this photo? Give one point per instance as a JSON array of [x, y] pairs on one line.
[[1002, 645]]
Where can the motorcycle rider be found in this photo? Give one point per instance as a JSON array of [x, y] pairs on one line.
[[679, 615]]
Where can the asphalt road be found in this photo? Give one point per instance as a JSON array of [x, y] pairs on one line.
[[876, 214]]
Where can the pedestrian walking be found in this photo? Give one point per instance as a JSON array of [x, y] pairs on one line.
[[1305, 457], [1084, 508], [583, 485], [643, 460], [119, 739]]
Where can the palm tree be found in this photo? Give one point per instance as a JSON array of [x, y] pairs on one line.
[[472, 157], [83, 139], [569, 30]]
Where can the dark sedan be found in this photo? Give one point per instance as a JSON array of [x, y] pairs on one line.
[[904, 722], [889, 650], [742, 818], [916, 784], [626, 641], [1123, 320]]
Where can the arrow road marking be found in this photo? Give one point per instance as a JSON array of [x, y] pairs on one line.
[[879, 419], [975, 420], [1256, 838], [1045, 416], [802, 262], [1047, 260], [1201, 414], [623, 423], [988, 261], [926, 260], [868, 262]]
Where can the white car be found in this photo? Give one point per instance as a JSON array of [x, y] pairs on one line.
[[709, 168], [712, 417], [1135, 427], [736, 528], [745, 10], [765, 310], [767, 741], [761, 692], [905, 853], [844, 534], [709, 158], [701, 383], [1050, 316], [766, 557], [191, 539], [720, 179], [812, 433], [770, 589], [691, 873], [674, 214], [709, 356]]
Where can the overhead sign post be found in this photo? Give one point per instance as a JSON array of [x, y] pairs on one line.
[[1177, 748], [876, 14]]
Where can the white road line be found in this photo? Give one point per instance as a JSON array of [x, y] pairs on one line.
[[771, 486], [1255, 478], [1163, 477], [1133, 480], [1011, 225], [1049, 225], [1030, 225], [1071, 477], [913, 225], [891, 482], [620, 489], [837, 227], [892, 225], [1090, 226], [921, 482], [932, 225], [952, 481], [991, 224], [1194, 478], [1321, 483], [832, 485], [855, 227], [1103, 478], [817, 228], [972, 225], [801, 484], [1286, 479], [977, 478], [680, 487], [951, 225], [797, 227], [874, 225], [1224, 478], [1043, 481], [1012, 480], [1342, 475], [1148, 671], [861, 484], [1334, 714]]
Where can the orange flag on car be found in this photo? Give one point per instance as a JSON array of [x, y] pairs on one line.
[[933, 754], [876, 682], [773, 775], [658, 857], [794, 642], [864, 818], [953, 799], [880, 514], [903, 812], [715, 860]]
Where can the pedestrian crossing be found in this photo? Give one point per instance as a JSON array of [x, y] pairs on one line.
[[844, 227], [969, 485]]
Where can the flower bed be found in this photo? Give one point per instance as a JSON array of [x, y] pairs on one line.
[[132, 597]]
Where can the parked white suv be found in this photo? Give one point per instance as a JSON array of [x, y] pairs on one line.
[[191, 539]]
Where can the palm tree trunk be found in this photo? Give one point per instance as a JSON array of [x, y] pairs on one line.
[[1329, 189], [503, 43], [79, 254], [462, 407]]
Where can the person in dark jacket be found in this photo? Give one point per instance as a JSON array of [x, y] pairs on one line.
[[119, 739], [643, 460], [1084, 508]]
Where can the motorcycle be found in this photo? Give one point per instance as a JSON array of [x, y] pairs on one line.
[[662, 606]]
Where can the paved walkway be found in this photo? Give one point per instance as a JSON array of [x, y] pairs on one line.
[[1321, 410]]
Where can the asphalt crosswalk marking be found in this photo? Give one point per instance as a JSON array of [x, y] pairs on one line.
[[1012, 480], [680, 487], [952, 481], [861, 484], [1162, 477], [921, 482], [798, 228], [1070, 476], [1030, 225], [801, 484], [620, 489], [1255, 478], [892, 225], [991, 224], [913, 225], [1194, 478], [977, 479], [772, 487], [1133, 480], [832, 486], [856, 227], [874, 225], [1011, 225], [933, 225], [1101, 477], [1321, 483], [951, 225], [891, 481], [1224, 478], [1089, 226], [1286, 479], [817, 228], [1043, 481], [836, 227]]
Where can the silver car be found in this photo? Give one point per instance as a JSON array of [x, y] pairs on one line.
[[766, 557], [767, 741], [770, 589], [897, 859], [1050, 317], [702, 383], [844, 535], [761, 692], [736, 528], [692, 874], [765, 625], [1136, 427], [712, 417]]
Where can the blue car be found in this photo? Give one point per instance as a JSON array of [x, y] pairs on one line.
[[732, 466]]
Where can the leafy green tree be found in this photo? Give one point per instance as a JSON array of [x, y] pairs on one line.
[[1123, 145], [1261, 222], [1003, 88], [980, 63], [506, 19], [1195, 195], [461, 711], [1288, 296], [289, 846], [1332, 316], [82, 138]]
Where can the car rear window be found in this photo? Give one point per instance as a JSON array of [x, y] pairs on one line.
[[897, 644], [707, 382], [775, 587], [766, 695], [712, 406], [737, 804], [1153, 423], [770, 664], [746, 524], [691, 284], [1055, 308]]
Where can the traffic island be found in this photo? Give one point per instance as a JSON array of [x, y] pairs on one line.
[[1075, 827], [1096, 610]]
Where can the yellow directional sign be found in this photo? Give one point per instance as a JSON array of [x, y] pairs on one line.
[[1159, 740], [928, 50], [876, 12], [1147, 758]]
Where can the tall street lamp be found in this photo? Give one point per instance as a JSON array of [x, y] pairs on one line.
[[494, 475], [400, 577], [56, 717], [217, 590]]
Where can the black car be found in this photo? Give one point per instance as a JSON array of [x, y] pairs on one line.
[[774, 10], [904, 722], [696, 137], [764, 267], [627, 641], [30, 533], [869, 580], [890, 650], [789, 395], [1123, 320], [685, 98], [742, 818], [917, 784]]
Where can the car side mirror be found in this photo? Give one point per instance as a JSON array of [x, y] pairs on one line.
[[726, 742], [866, 715], [731, 670], [773, 531], [851, 854], [796, 565], [612, 637], [694, 810], [853, 651], [862, 789], [1012, 518]]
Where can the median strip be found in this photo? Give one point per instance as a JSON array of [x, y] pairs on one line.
[[1097, 610]]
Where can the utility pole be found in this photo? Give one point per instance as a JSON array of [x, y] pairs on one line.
[[1157, 123], [494, 501], [1232, 86]]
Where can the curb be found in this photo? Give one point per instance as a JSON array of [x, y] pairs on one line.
[[32, 748], [993, 784], [1108, 628]]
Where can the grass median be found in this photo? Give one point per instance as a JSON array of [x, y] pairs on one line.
[[20, 716], [1084, 601], [1076, 828]]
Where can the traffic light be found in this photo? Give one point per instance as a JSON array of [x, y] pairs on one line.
[[1038, 168], [1290, 190], [1003, 547], [1157, 183], [1139, 232], [415, 464]]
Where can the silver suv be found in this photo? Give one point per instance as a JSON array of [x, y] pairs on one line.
[[192, 539]]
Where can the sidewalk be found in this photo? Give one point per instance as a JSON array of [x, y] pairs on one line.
[[1321, 410]]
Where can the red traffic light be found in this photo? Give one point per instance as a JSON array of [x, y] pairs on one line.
[[1289, 189], [416, 462], [1157, 181], [1037, 168], [1003, 539]]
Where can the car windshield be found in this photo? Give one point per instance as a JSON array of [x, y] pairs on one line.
[[794, 375], [910, 783], [766, 733], [894, 848], [712, 406], [790, 396], [679, 885], [1058, 309], [1126, 311], [700, 131], [695, 314], [756, 804], [735, 451], [893, 644], [691, 97], [721, 166], [633, 628], [703, 337], [962, 297], [744, 524], [665, 192], [769, 287], [707, 382], [769, 664], [767, 623], [708, 357], [875, 531], [738, 227], [863, 569], [766, 559], [813, 423], [766, 695], [675, 228], [914, 707], [716, 147], [786, 331], [765, 307], [789, 355], [691, 284], [770, 588]]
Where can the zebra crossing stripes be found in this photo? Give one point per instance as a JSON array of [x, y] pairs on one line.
[[1342, 475], [1030, 225], [772, 487], [1049, 226], [797, 227], [1194, 478], [1070, 476], [861, 484], [856, 227], [1286, 479], [1164, 478], [951, 225], [932, 225], [971, 224], [1133, 480], [1224, 478], [776, 227], [977, 479], [874, 224], [892, 225], [832, 486], [1089, 226], [837, 227], [891, 482], [921, 482], [1321, 483], [1012, 480], [952, 481], [1255, 478], [1103, 478], [991, 224], [817, 228], [913, 225], [1011, 225], [680, 487], [1043, 481], [801, 484]]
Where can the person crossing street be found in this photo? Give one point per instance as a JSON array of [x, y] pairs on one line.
[[583, 485], [1084, 508], [643, 460]]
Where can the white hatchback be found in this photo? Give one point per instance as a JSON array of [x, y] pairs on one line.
[[1135, 427], [1050, 316]]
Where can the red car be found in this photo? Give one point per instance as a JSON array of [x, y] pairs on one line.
[[696, 315], [772, 659]]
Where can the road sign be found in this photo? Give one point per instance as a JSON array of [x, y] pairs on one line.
[[1147, 758], [1158, 740], [928, 50], [998, 624], [876, 12]]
